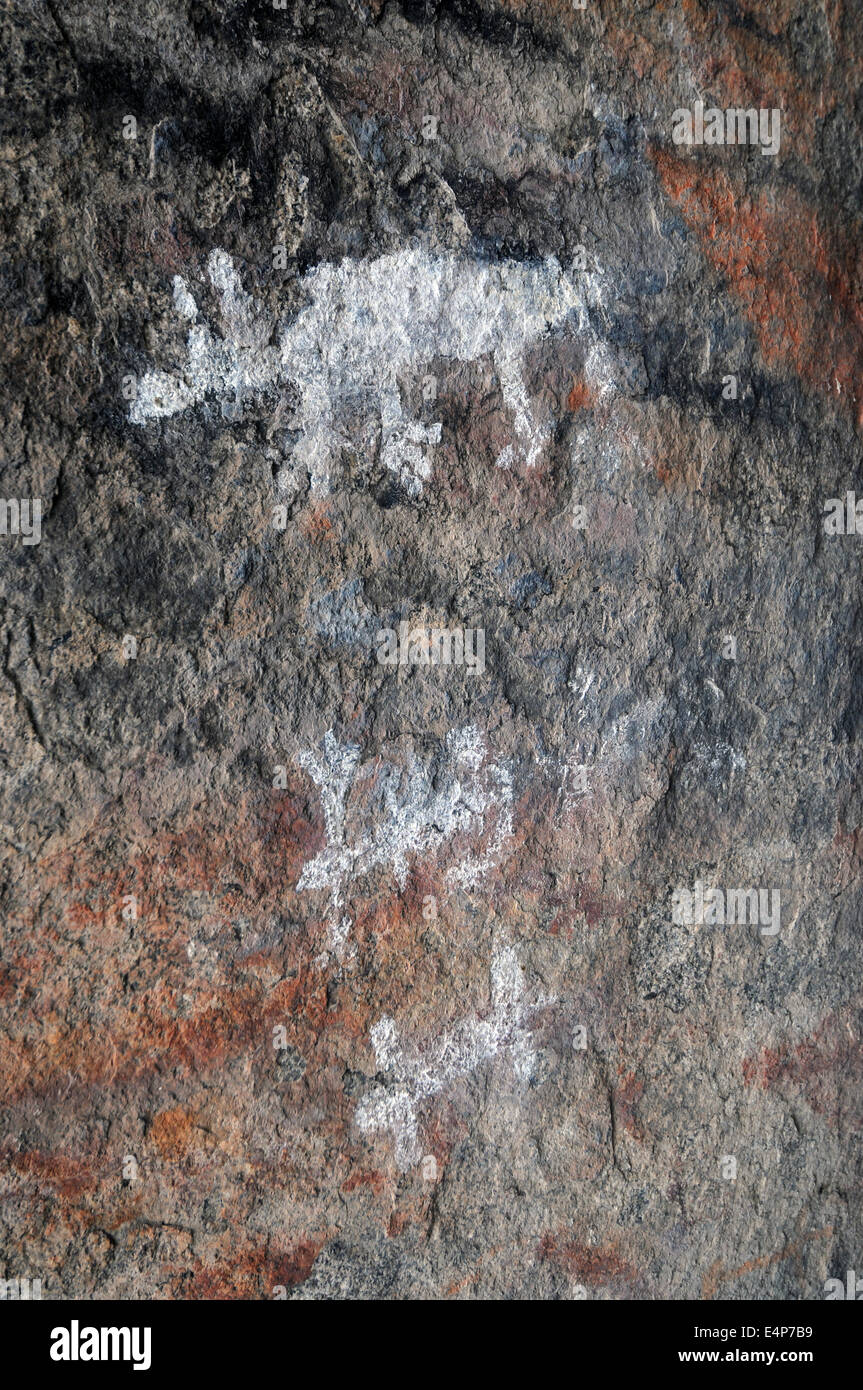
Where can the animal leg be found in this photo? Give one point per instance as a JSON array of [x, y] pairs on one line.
[[316, 447], [528, 432], [403, 442]]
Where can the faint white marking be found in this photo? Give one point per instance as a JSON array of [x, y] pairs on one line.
[[634, 734], [580, 686], [718, 758]]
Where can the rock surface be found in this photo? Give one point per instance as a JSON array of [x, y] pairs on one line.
[[340, 339]]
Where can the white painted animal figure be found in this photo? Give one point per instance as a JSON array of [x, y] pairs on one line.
[[416, 1072], [365, 324], [407, 812]]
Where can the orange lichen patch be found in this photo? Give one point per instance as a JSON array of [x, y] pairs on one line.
[[718, 1275], [172, 1133], [580, 397], [799, 287], [594, 1264], [254, 1273]]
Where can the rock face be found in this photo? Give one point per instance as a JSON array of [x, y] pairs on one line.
[[432, 692]]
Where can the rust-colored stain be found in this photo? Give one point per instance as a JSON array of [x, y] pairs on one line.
[[398, 1223], [594, 1264], [254, 1273], [243, 856], [580, 397], [69, 1177], [153, 234], [848, 842], [826, 1067], [717, 1275], [798, 282], [317, 526], [626, 1097], [473, 1275], [172, 1133], [373, 1178], [222, 1028]]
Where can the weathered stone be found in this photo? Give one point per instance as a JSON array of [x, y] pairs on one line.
[[344, 964]]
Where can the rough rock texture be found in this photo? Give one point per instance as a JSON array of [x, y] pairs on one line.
[[324, 976]]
